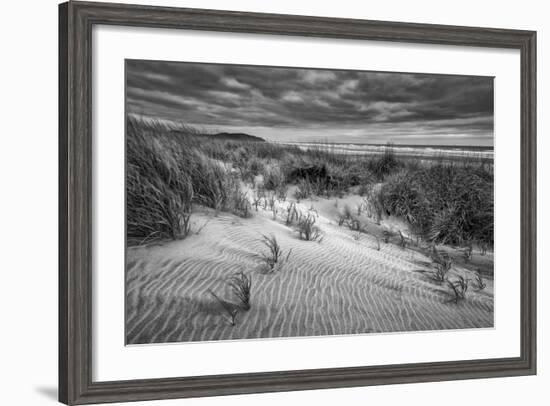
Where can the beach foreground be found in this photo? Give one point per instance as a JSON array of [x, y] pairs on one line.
[[379, 279]]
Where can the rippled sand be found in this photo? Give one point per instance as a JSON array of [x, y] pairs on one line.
[[342, 285]]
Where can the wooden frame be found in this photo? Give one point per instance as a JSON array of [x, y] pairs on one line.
[[75, 178]]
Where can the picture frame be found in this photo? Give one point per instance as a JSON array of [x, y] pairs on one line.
[[76, 352]]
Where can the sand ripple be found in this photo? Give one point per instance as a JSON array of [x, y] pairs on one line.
[[339, 286]]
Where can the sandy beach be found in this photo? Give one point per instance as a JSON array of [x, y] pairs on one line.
[[347, 283]]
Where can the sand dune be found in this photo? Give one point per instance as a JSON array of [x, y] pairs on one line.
[[341, 285]]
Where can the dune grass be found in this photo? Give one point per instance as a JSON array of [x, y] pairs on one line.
[[229, 309], [159, 192], [458, 289], [307, 230], [170, 173], [274, 258], [445, 203], [241, 286], [481, 285]]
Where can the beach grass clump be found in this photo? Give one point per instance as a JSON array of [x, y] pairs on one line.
[[345, 215], [440, 273], [258, 197], [240, 204], [274, 258], [159, 196], [458, 289], [281, 192], [446, 203], [372, 204], [356, 173], [402, 195], [249, 168], [292, 214], [267, 150], [166, 174], [384, 165], [480, 282], [213, 185], [348, 219], [241, 286], [270, 202], [443, 264], [229, 309], [483, 247], [468, 252], [307, 230], [274, 178], [304, 190]]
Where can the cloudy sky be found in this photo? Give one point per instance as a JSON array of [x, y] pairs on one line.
[[288, 104]]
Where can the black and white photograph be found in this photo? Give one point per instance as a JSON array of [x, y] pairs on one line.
[[266, 202]]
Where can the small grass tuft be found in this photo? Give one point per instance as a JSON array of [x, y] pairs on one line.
[[230, 309], [467, 253], [241, 285], [479, 281], [241, 204], [307, 229], [274, 259], [458, 289], [292, 214]]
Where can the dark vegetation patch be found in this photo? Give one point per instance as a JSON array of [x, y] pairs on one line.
[[169, 171]]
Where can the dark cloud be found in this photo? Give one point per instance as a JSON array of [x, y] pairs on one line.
[[361, 105]]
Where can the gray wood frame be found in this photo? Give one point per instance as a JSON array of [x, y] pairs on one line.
[[76, 20]]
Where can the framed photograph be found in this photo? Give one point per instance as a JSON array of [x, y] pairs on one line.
[[257, 202]]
